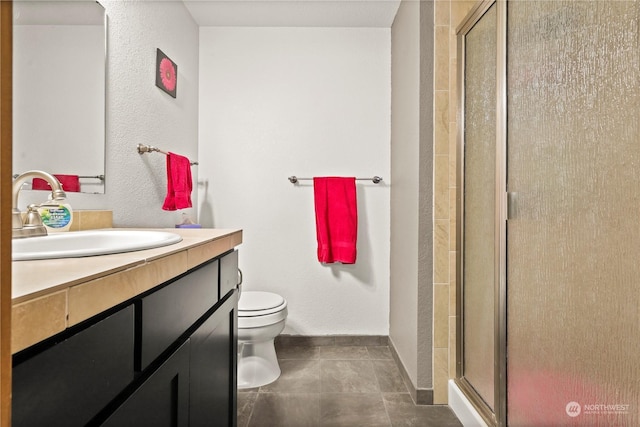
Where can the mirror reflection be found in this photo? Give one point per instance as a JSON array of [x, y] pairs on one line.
[[59, 91]]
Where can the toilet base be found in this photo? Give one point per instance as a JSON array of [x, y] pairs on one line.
[[257, 364]]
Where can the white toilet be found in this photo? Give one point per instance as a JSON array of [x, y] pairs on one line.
[[261, 318]]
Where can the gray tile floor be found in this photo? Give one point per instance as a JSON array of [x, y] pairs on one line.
[[341, 386]]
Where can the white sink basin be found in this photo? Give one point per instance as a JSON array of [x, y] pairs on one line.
[[89, 243]]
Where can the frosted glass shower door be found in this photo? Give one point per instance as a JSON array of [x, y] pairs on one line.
[[573, 239], [479, 208]]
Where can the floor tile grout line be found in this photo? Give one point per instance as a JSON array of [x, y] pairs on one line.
[[253, 405], [386, 409], [376, 375], [319, 374]]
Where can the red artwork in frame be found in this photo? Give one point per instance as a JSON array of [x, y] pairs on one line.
[[166, 73]]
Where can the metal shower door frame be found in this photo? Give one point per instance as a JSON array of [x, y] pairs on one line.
[[498, 416]]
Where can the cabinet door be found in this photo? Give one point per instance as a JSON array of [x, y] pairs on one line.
[[169, 312], [73, 380], [213, 369], [162, 400]]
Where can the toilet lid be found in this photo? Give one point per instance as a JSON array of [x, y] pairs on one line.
[[257, 301]]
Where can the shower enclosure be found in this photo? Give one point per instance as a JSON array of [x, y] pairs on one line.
[[549, 212]]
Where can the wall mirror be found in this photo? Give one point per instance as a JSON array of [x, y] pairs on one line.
[[59, 63]]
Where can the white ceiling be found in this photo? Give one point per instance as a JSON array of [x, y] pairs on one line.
[[293, 13]]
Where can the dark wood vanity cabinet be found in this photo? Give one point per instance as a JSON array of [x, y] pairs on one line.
[[171, 310], [212, 384], [69, 382], [162, 399], [165, 358], [228, 272]]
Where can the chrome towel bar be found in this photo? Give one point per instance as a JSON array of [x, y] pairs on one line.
[[100, 177], [294, 179], [142, 148]]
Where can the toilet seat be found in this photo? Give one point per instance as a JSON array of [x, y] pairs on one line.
[[258, 303]]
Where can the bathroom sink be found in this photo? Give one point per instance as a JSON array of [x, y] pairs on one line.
[[89, 243]]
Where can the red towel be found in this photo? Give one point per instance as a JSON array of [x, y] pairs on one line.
[[336, 219], [70, 183], [179, 183]]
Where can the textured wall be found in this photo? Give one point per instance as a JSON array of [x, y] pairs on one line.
[[276, 102], [405, 152], [139, 112], [411, 206]]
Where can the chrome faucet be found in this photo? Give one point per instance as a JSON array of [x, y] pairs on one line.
[[32, 226]]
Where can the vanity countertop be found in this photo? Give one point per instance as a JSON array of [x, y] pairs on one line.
[[49, 296]]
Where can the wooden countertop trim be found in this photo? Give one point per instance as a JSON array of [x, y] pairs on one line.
[[88, 299], [73, 273], [201, 253], [38, 319]]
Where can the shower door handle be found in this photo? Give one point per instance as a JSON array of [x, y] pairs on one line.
[[512, 205]]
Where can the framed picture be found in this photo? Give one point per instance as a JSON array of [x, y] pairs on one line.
[[166, 73]]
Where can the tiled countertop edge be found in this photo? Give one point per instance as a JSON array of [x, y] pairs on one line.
[[89, 288]]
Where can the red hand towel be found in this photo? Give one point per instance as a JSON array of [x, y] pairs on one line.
[[179, 183], [336, 219], [70, 183]]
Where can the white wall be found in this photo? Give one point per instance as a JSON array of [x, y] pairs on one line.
[[411, 301], [405, 169], [139, 112], [276, 102]]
